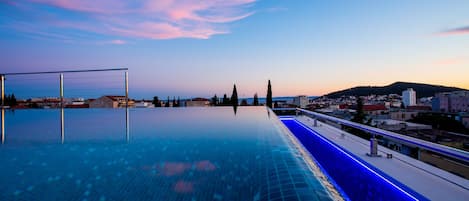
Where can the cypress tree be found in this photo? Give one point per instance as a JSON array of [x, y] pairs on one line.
[[269, 95], [234, 96], [174, 102], [167, 103], [226, 100], [256, 100], [360, 115], [215, 100], [7, 100], [178, 102], [156, 101]]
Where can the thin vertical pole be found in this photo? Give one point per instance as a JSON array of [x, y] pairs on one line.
[[61, 90], [3, 89], [126, 89], [127, 127], [62, 124]]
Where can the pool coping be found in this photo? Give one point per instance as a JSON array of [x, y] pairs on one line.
[[331, 187]]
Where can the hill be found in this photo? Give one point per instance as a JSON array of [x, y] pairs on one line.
[[422, 90]]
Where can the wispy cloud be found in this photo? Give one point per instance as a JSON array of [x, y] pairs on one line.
[[455, 31], [145, 19]]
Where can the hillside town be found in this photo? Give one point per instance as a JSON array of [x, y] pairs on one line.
[[390, 111]]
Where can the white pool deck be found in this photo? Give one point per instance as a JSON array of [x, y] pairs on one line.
[[429, 181]]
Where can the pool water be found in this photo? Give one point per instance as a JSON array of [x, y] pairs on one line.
[[168, 154]]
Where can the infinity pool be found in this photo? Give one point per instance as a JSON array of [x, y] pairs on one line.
[[168, 154]]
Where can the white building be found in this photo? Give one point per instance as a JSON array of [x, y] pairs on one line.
[[301, 101], [143, 104], [409, 97]]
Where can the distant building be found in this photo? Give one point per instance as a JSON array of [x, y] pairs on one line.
[[456, 101], [198, 102], [374, 109], [144, 104], [110, 102], [421, 108], [403, 115], [301, 101], [49, 102], [409, 97], [77, 106]]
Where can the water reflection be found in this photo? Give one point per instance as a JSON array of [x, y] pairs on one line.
[[3, 125], [62, 125], [235, 109], [127, 126], [49, 125]]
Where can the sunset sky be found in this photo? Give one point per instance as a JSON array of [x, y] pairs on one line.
[[193, 48]]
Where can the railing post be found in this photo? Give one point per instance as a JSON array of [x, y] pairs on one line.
[[3, 89], [61, 90], [62, 122], [127, 126], [126, 89]]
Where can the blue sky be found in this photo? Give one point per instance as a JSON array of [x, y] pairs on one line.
[[193, 48]]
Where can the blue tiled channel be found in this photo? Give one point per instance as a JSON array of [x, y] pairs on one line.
[[193, 154], [357, 179]]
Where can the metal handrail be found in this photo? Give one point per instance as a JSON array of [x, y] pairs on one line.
[[66, 71], [441, 149]]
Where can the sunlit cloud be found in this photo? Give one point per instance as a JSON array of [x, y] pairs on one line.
[[145, 19], [455, 31]]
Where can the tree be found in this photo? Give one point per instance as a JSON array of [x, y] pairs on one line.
[[174, 102], [256, 100], [214, 100], [13, 100], [360, 115], [10, 100], [234, 96], [7, 100], [167, 103], [226, 100], [156, 101], [178, 102], [269, 96]]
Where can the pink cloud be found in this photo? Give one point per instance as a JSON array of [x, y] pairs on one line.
[[147, 19], [205, 166], [456, 31], [178, 168], [174, 168]]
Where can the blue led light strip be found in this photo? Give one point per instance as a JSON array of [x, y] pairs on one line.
[[351, 157]]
